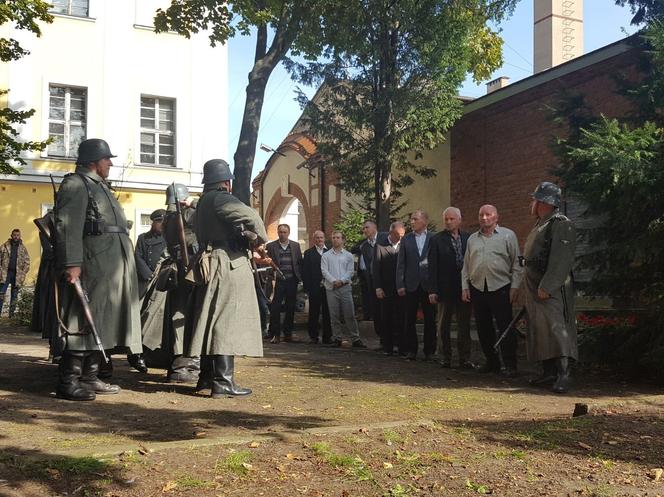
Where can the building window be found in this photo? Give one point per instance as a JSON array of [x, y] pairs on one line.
[[77, 8], [158, 131], [66, 120]]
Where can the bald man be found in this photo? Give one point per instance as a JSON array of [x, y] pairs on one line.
[[312, 279], [490, 279]]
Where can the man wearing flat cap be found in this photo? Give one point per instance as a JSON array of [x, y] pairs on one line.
[[150, 247], [93, 246], [549, 259]]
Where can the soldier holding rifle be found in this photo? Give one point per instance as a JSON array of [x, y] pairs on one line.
[[224, 316], [93, 251], [549, 258]]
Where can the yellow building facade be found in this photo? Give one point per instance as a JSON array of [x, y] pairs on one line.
[[100, 71]]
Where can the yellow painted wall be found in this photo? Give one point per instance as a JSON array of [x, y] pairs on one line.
[[431, 195], [22, 202]]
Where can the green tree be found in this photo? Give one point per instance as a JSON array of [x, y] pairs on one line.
[[294, 26], [24, 14], [390, 75]]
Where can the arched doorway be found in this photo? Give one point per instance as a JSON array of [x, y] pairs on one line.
[[294, 215]]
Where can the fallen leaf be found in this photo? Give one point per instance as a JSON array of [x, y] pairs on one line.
[[267, 406], [585, 446], [170, 485], [200, 434], [253, 445], [247, 466], [53, 473], [290, 456], [656, 474], [388, 465]]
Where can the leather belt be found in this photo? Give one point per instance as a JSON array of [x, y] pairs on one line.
[[115, 229]]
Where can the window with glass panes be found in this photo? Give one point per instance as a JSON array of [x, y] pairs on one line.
[[66, 120], [70, 7], [158, 131]]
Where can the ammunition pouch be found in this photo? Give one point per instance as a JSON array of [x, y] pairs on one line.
[[199, 272]]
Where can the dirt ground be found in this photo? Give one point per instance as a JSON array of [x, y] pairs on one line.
[[324, 422]]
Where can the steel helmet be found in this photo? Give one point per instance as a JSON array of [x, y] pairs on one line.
[[216, 171], [547, 193], [176, 188], [92, 150]]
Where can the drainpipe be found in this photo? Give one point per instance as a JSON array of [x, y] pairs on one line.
[[321, 175]]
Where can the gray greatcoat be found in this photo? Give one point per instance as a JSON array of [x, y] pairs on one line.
[[107, 264], [551, 322], [225, 318]]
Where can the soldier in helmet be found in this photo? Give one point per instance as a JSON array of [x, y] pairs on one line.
[[93, 246], [149, 248], [163, 314], [549, 258], [225, 320]]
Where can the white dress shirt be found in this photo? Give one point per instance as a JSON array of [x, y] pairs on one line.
[[336, 266]]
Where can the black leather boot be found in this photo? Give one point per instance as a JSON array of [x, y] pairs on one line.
[[223, 367], [549, 373], [205, 374], [70, 370], [137, 362], [90, 379], [564, 378], [184, 369], [106, 369]]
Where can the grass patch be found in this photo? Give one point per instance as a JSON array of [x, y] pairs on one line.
[[235, 462], [188, 482], [391, 436], [601, 490], [516, 454], [438, 457], [477, 487], [55, 467], [398, 491], [352, 464]]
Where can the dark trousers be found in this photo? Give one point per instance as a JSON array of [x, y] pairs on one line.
[[284, 290], [413, 301], [367, 307], [4, 286], [488, 306], [318, 301], [393, 319], [374, 305], [461, 310], [263, 308]]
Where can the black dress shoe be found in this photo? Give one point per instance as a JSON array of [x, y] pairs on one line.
[[488, 368], [359, 344], [446, 364], [137, 362], [313, 341], [467, 365], [412, 356], [508, 372], [337, 343]]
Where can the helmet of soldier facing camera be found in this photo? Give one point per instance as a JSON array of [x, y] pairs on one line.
[[547, 193], [176, 190]]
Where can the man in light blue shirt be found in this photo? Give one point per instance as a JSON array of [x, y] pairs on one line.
[[337, 267]]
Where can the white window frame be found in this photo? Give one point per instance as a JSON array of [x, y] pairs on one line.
[[68, 13], [157, 132], [67, 122], [138, 228]]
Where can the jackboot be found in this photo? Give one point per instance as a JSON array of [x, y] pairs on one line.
[[70, 369], [184, 369], [564, 378], [549, 373], [106, 369], [90, 377], [137, 362], [223, 368], [205, 374]]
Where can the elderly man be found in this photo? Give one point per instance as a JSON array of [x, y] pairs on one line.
[[366, 250], [445, 264], [93, 246], [14, 266], [288, 257], [384, 278], [490, 279], [549, 256], [412, 283], [312, 280]]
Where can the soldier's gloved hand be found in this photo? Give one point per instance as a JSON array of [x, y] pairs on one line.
[[73, 273]]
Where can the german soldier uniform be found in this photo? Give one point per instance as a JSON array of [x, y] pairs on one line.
[[150, 247], [549, 258], [92, 233], [225, 321]]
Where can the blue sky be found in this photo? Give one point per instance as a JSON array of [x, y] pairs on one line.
[[604, 23]]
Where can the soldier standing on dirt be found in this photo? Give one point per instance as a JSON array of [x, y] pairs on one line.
[[225, 321], [549, 258], [93, 246]]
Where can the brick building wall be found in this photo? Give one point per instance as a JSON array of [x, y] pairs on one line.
[[501, 151]]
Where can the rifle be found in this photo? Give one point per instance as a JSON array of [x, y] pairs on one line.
[[85, 303], [261, 251], [184, 253], [510, 327]]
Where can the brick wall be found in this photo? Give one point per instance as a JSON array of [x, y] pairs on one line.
[[502, 151]]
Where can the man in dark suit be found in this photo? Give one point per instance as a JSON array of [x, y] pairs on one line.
[[445, 263], [312, 282], [412, 283], [367, 249], [391, 305], [288, 257]]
